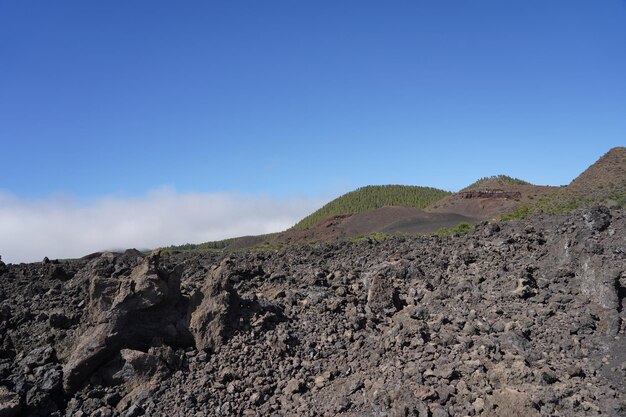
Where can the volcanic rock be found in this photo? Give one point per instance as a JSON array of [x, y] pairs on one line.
[[127, 311], [9, 403], [523, 318], [214, 308]]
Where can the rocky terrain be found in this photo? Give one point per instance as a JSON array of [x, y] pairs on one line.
[[513, 319]]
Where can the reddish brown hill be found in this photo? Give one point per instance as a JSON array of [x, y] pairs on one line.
[[603, 182], [487, 203], [606, 176], [392, 219]]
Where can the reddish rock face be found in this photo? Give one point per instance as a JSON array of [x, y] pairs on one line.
[[492, 193]]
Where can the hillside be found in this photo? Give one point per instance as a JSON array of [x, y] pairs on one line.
[[603, 182], [411, 209], [379, 208], [373, 197], [491, 197], [489, 203], [224, 244], [387, 220]]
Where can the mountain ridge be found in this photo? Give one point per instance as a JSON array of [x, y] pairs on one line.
[[373, 209]]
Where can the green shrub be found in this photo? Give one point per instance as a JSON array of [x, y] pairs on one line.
[[517, 214], [460, 229]]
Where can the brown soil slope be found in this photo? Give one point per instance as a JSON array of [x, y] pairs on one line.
[[393, 219], [608, 174], [490, 202], [602, 181]]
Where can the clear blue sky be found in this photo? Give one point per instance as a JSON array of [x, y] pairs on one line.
[[304, 98]]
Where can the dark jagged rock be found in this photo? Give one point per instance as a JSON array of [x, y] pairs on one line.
[[10, 405], [127, 311], [214, 308], [382, 296], [597, 218], [515, 318], [58, 272], [141, 374], [39, 357], [60, 320]]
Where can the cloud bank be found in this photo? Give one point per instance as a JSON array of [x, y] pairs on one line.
[[67, 228]]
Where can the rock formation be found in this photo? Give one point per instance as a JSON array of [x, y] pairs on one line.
[[514, 318]]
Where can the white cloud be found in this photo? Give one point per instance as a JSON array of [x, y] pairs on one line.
[[66, 228]]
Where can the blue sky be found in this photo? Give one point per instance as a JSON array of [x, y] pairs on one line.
[[306, 100]]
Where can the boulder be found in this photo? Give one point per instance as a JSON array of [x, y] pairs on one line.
[[139, 366], [381, 293], [141, 374], [597, 218], [601, 283], [214, 309], [382, 296], [55, 271], [127, 311]]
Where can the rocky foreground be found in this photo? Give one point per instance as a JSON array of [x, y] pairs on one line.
[[519, 318]]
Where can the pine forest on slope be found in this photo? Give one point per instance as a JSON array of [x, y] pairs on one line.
[[373, 197]]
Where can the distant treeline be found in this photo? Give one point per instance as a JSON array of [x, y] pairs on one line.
[[214, 245], [218, 245], [495, 181], [373, 197]]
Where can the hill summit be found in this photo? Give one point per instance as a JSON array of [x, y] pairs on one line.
[[604, 182], [495, 181], [605, 178]]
